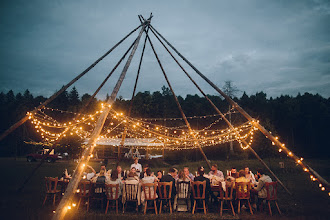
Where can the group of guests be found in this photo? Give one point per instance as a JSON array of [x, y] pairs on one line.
[[137, 175]]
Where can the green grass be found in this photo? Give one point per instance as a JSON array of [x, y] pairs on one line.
[[307, 201]]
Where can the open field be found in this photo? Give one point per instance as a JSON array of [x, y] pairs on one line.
[[307, 202]]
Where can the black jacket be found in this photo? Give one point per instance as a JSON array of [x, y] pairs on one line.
[[169, 178]]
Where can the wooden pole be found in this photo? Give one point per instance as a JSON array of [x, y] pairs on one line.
[[25, 118], [248, 117], [69, 193], [221, 114]]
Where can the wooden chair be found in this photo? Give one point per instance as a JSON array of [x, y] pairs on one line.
[[226, 196], [51, 188], [98, 193], [183, 192], [149, 190], [83, 192], [131, 195], [164, 194], [243, 193], [198, 189], [271, 189], [112, 193]]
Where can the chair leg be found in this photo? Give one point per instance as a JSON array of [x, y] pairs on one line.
[[278, 208], [193, 211], [123, 208], [239, 207], [79, 203], [221, 206], [169, 201], [204, 207], [137, 208], [106, 209], [117, 206], [250, 207], [87, 204], [155, 205], [160, 207], [45, 200], [270, 209], [145, 206], [232, 208], [54, 199]]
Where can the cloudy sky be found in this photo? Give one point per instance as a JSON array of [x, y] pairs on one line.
[[279, 47]]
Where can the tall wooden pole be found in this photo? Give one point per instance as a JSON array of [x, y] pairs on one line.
[[248, 117], [73, 184], [25, 118]]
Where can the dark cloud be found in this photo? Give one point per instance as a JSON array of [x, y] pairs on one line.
[[279, 47]]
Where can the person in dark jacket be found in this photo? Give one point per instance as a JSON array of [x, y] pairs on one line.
[[170, 177], [201, 178]]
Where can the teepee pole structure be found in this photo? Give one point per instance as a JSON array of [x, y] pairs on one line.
[[221, 114], [50, 99], [73, 184], [248, 117]]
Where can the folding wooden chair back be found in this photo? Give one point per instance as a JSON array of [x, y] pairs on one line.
[[183, 191], [51, 188], [198, 189], [226, 196], [164, 194], [98, 193], [272, 195], [149, 190], [243, 193], [131, 194], [83, 192], [112, 193]]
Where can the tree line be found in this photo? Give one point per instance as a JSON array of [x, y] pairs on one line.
[[301, 122]]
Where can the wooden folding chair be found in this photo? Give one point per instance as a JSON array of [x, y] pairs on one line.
[[164, 194], [272, 196], [226, 196], [198, 189], [243, 193], [51, 189], [112, 193], [183, 192], [97, 193], [83, 192], [149, 190], [131, 195]]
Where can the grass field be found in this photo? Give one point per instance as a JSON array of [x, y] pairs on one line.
[[307, 201]]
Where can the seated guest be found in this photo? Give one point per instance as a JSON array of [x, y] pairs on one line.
[[170, 177], [101, 178], [137, 166], [114, 180], [120, 172], [249, 175], [182, 192], [149, 178], [188, 175], [91, 172], [241, 177], [232, 175], [132, 178], [260, 190], [159, 175], [214, 171], [144, 174], [201, 178]]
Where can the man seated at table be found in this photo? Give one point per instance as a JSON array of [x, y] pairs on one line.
[[188, 175], [202, 178], [170, 177], [260, 189], [214, 171], [144, 173], [232, 175], [137, 166], [120, 172], [132, 178]]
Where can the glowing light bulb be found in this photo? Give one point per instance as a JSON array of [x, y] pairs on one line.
[[322, 188]]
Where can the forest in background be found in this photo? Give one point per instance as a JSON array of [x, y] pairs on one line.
[[301, 122]]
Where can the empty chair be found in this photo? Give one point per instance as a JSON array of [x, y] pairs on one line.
[[112, 193], [243, 193], [164, 194], [83, 192], [198, 189], [149, 192], [226, 196], [51, 188], [272, 195]]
